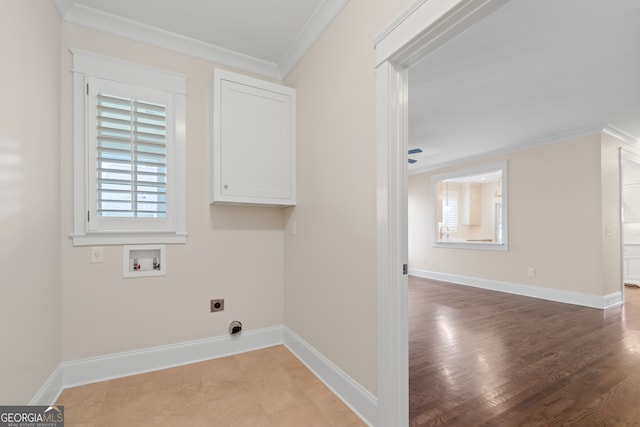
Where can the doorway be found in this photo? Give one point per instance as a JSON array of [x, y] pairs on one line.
[[414, 36], [422, 29], [630, 216]]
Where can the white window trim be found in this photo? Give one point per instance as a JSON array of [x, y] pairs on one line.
[[477, 170], [87, 64]]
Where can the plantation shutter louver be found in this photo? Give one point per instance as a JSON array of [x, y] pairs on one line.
[[131, 155], [129, 152], [450, 211]]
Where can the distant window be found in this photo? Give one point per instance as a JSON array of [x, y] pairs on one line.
[[450, 211], [471, 208], [130, 135]]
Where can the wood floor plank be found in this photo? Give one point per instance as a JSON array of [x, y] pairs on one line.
[[478, 357]]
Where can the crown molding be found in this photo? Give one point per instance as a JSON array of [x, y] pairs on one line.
[[609, 129], [95, 19], [319, 21], [551, 139], [98, 20], [622, 135], [63, 6]]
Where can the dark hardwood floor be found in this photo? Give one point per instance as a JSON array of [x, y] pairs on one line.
[[483, 358]]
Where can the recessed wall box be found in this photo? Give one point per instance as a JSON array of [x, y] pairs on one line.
[[217, 305], [144, 261]]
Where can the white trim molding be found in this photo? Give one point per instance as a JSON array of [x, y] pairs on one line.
[[95, 19], [391, 248], [425, 26], [78, 14], [503, 167], [170, 88], [568, 297], [102, 368], [321, 18], [622, 135], [51, 389], [356, 397], [528, 145]]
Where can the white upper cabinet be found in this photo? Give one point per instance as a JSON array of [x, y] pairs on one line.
[[252, 141]]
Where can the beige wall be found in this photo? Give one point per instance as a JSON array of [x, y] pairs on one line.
[[235, 253], [561, 199], [30, 224], [330, 267], [232, 252]]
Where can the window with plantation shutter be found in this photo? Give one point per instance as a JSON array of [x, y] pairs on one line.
[[450, 211], [131, 158], [132, 154]]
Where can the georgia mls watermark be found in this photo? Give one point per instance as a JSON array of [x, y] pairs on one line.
[[32, 416]]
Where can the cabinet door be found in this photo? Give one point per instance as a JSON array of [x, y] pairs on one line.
[[254, 142]]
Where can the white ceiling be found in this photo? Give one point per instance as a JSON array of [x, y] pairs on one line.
[[530, 73], [266, 37]]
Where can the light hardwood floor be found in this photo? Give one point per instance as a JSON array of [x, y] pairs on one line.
[[483, 358], [263, 388]]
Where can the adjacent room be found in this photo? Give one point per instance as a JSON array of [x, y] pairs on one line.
[[519, 250]]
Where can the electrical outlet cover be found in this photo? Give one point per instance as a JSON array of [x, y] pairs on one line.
[[217, 305], [97, 254]]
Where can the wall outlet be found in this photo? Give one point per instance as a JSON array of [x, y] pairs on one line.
[[531, 272], [217, 305], [97, 254]]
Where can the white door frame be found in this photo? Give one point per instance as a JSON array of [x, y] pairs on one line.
[[624, 155], [424, 27]]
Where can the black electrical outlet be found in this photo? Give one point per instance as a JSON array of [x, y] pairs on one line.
[[217, 305]]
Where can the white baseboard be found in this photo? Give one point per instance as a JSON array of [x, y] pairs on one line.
[[51, 389], [576, 298], [356, 397], [102, 368], [612, 299], [86, 371]]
